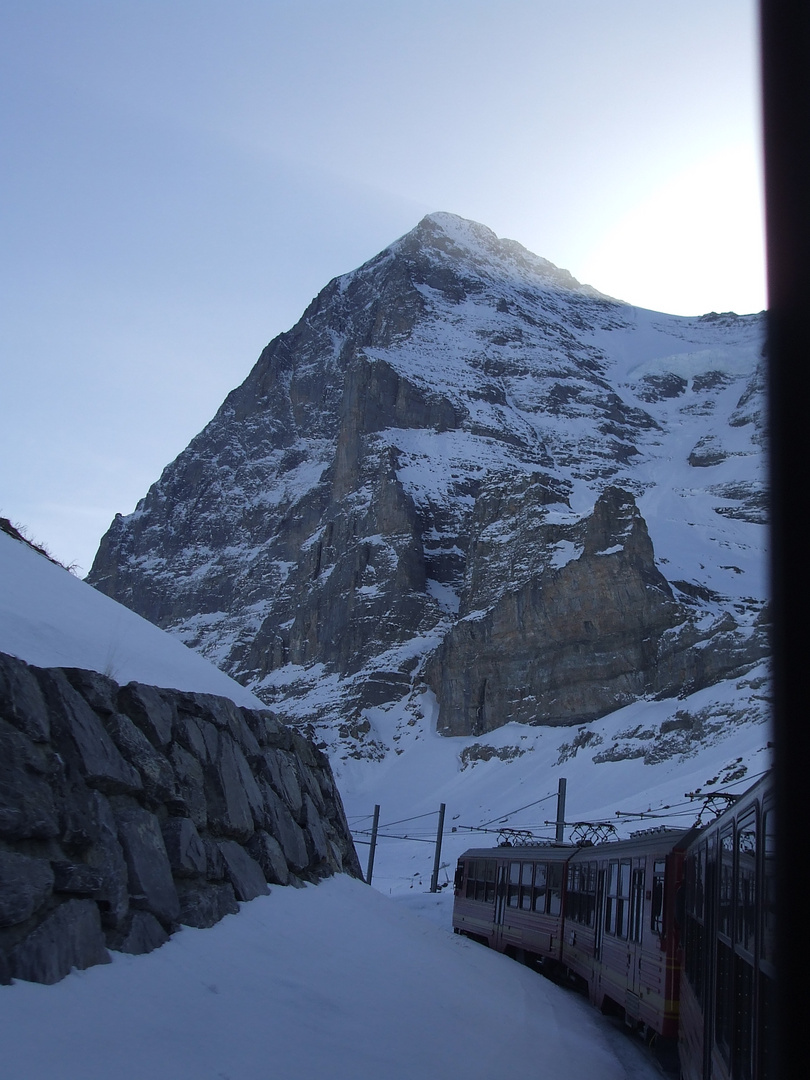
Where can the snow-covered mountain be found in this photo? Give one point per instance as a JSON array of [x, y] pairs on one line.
[[467, 491]]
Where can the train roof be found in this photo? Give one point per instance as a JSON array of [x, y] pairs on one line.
[[659, 839], [750, 797]]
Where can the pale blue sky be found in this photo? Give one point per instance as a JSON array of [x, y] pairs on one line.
[[179, 178]]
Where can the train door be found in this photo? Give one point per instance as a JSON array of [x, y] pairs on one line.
[[600, 915], [710, 965], [501, 890], [636, 928]]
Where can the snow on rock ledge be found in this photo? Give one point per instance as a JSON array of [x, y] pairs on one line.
[[126, 812]]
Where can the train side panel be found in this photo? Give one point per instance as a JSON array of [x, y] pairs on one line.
[[674, 930], [620, 936], [728, 973], [475, 892], [512, 900]]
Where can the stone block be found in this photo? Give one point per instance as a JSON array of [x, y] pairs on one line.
[[269, 731], [99, 691], [150, 709], [190, 784], [216, 864], [266, 850], [155, 771], [27, 805], [186, 851], [143, 934], [277, 766], [102, 765], [70, 937], [151, 887], [79, 879], [315, 830], [230, 812], [284, 828], [25, 885], [78, 812], [243, 872], [21, 700], [187, 732], [106, 856], [204, 905]]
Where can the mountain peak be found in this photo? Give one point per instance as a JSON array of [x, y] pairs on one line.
[[471, 244]]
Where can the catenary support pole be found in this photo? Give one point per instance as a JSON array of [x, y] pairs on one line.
[[560, 838], [434, 881], [372, 845]]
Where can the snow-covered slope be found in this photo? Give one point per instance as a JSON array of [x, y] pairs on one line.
[[634, 769], [50, 618]]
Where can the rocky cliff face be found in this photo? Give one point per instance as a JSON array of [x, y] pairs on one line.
[[128, 811], [463, 470], [578, 640]]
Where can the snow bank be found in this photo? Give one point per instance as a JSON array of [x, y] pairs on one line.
[[331, 981], [52, 619]]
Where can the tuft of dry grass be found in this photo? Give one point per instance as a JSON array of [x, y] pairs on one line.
[[19, 532]]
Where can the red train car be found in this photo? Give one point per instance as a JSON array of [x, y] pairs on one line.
[[728, 984], [672, 930], [621, 938], [511, 898], [605, 914]]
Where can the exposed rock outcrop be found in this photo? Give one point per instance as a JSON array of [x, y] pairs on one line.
[[579, 641], [126, 812]]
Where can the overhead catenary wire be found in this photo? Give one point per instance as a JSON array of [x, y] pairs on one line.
[[511, 813]]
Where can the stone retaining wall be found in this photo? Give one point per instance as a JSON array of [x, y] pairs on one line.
[[126, 812]]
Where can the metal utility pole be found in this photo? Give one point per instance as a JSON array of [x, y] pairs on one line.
[[373, 844], [434, 881], [560, 838]]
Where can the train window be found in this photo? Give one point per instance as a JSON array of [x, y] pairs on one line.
[[768, 948], [745, 922], [612, 897], [724, 925], [458, 879], [513, 894], [694, 933], [489, 878], [580, 897], [657, 907], [623, 901], [572, 893], [480, 880], [699, 898], [637, 904], [555, 880], [469, 892], [591, 890], [539, 895], [526, 874], [617, 901]]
